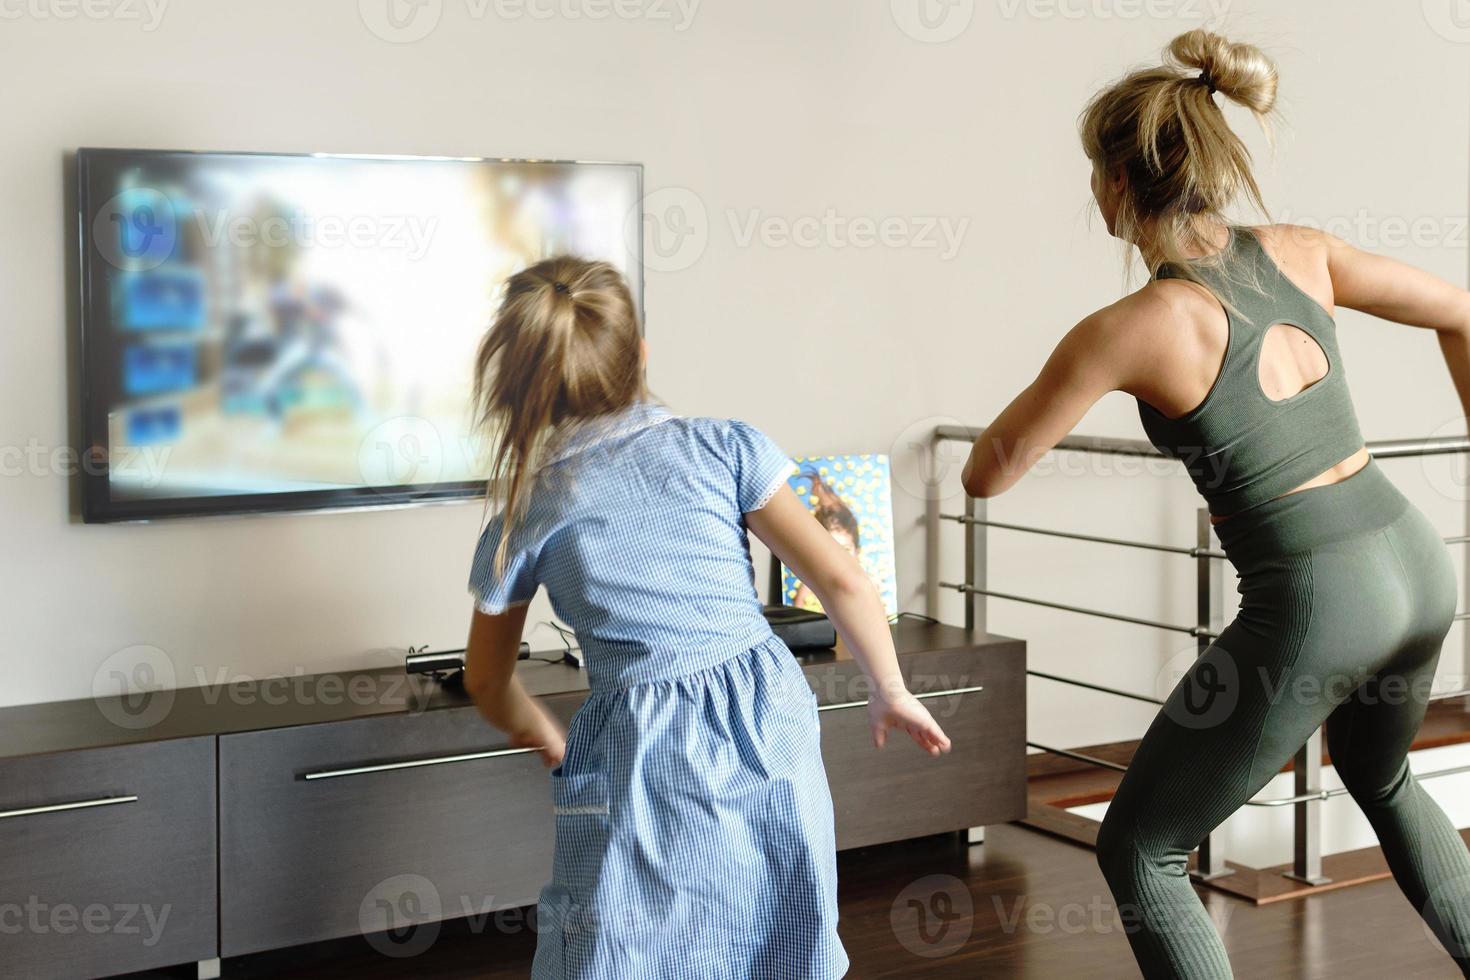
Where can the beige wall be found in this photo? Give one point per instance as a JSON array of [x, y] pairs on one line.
[[759, 110]]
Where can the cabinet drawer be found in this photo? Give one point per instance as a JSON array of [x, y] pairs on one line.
[[323, 827], [107, 859], [900, 792]]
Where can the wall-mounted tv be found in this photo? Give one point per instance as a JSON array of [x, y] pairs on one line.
[[269, 332]]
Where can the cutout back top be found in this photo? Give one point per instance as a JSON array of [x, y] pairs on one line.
[[1240, 447]]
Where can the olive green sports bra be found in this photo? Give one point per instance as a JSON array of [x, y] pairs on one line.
[[1240, 447]]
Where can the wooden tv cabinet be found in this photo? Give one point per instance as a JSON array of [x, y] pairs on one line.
[[272, 813]]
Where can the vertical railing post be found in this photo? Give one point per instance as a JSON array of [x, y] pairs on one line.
[[1210, 615], [931, 527], [1464, 462], [976, 564], [1306, 849]]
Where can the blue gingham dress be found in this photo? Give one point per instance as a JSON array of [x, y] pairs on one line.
[[693, 820]]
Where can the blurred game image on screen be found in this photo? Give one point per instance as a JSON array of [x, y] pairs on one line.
[[278, 324]]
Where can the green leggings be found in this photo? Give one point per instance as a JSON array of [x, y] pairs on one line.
[[1347, 593]]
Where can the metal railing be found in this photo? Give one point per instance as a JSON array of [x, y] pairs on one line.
[[1308, 793]]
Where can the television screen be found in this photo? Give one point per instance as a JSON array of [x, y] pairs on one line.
[[265, 332]]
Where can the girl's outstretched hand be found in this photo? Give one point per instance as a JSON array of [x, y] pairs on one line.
[[906, 713]]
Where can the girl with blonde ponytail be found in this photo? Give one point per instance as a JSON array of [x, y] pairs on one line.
[[693, 822], [1231, 352]]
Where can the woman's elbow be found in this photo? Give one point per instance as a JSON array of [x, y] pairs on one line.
[[982, 484]]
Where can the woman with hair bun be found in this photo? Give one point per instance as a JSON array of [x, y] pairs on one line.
[[1347, 592]]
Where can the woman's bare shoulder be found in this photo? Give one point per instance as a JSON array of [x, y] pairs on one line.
[[1158, 339], [1153, 314], [1303, 255]]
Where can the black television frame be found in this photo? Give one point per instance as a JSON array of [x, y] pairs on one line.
[[97, 504]]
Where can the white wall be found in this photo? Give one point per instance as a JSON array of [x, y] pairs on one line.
[[757, 108]]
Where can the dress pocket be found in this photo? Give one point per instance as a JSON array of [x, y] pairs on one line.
[[571, 903], [579, 794]]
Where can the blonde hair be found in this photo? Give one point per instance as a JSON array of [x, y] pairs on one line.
[[1183, 164], [565, 347]]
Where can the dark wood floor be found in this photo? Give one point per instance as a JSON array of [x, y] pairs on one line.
[[1022, 905]]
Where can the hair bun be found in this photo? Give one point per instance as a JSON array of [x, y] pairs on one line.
[[1240, 72]]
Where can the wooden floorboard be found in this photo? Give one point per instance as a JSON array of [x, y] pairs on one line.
[[1039, 910]]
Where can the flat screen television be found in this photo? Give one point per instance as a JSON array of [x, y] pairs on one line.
[[268, 332]]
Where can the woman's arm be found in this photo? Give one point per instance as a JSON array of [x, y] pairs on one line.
[[1086, 365], [850, 600], [490, 678], [1393, 290]]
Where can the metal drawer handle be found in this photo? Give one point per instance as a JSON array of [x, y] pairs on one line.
[[445, 760], [918, 697], [61, 807], [442, 760]]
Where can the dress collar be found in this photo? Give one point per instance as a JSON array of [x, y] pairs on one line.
[[572, 438]]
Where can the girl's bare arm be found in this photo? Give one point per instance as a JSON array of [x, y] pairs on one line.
[[850, 600]]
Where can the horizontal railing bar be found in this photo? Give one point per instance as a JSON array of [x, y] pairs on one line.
[[1069, 754], [1462, 539], [1110, 446], [1400, 448], [1094, 687], [1074, 536], [1321, 794], [1194, 631], [1327, 794]]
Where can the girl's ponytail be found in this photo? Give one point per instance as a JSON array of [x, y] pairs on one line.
[[565, 346]]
